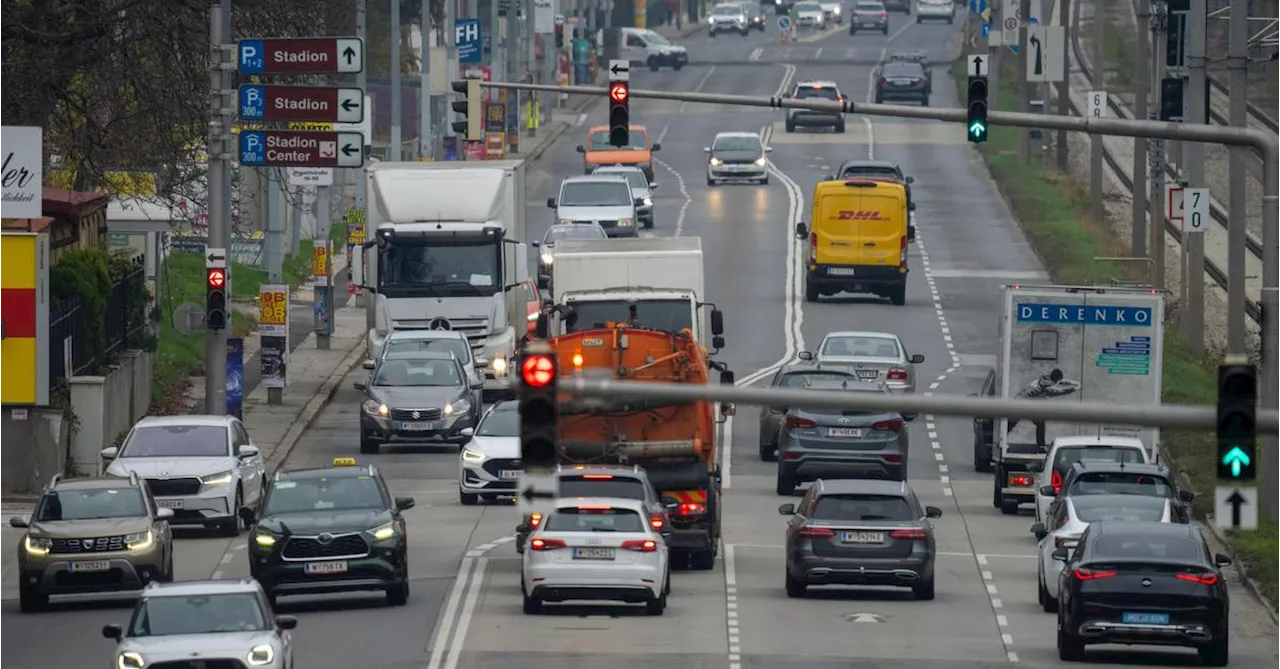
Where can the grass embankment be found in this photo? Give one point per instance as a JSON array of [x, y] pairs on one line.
[[181, 356], [1053, 209]]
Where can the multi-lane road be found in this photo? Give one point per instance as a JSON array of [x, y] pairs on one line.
[[464, 611]]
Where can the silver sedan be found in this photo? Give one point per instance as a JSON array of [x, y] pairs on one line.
[[874, 356]]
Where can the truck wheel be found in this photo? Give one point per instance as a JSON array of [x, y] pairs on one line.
[[702, 560], [898, 295], [1009, 507], [981, 457], [996, 497], [785, 485]]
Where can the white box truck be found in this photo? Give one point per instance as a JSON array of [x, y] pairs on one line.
[[1072, 344]]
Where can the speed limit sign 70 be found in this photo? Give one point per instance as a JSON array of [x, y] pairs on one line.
[[1097, 104], [1195, 209]]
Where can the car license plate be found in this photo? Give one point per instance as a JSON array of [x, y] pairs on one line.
[[169, 503], [593, 553], [868, 373], [334, 567], [1145, 618], [842, 271], [508, 474], [844, 432], [89, 565], [420, 426], [863, 537]]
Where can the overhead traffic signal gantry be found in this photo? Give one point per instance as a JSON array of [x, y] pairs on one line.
[[977, 122], [471, 107], [215, 313], [1237, 420], [619, 114], [538, 411]]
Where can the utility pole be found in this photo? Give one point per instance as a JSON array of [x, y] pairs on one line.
[[274, 241], [1139, 241], [1155, 148], [397, 108], [324, 283], [215, 344], [426, 139], [495, 69], [1024, 99], [1064, 86], [1099, 80], [1193, 152], [450, 62], [362, 193], [1237, 69]]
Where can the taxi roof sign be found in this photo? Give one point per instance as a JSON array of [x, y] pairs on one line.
[[345, 462]]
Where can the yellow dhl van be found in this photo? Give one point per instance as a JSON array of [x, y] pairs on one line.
[[858, 239]]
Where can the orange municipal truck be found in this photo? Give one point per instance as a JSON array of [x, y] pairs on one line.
[[675, 442]]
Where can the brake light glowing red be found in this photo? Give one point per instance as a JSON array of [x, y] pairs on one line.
[[795, 422], [656, 522], [1088, 574], [691, 510], [594, 509], [813, 247], [896, 374], [1203, 578], [1055, 480], [816, 533], [535, 519], [640, 545], [913, 534], [883, 14], [597, 477], [902, 251], [547, 544], [893, 425], [1020, 480]]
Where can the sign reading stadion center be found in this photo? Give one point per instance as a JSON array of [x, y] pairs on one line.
[[296, 148], [24, 318]]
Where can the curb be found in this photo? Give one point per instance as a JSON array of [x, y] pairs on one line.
[[318, 401], [1249, 584]]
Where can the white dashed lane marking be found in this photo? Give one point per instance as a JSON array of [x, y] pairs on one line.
[[731, 608]]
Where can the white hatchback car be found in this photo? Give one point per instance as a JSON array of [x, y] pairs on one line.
[[601, 549], [489, 464], [1066, 451]]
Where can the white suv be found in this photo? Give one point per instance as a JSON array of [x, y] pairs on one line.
[[728, 18]]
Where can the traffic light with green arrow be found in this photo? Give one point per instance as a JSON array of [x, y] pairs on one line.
[[977, 126], [1237, 420]]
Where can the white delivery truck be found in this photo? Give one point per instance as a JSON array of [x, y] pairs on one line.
[[446, 249], [1072, 344], [656, 282]]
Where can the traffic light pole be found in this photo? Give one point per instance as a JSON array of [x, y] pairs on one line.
[[215, 343]]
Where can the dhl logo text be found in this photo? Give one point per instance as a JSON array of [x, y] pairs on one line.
[[847, 215]]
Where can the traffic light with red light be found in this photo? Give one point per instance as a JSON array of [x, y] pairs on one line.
[[538, 411], [216, 298], [1237, 421], [619, 114]]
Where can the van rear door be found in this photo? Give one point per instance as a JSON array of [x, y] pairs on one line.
[[834, 225], [883, 220]]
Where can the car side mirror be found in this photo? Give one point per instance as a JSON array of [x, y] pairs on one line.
[[1186, 496], [787, 509], [359, 385], [706, 149], [932, 512], [653, 185], [909, 417], [286, 622], [728, 409], [1061, 555], [768, 149], [1039, 531], [717, 342], [481, 362], [367, 364], [911, 232], [1048, 491], [477, 384], [581, 149], [717, 322], [727, 378], [536, 245], [911, 206], [247, 451], [468, 431], [19, 521], [247, 515], [805, 355], [656, 147], [551, 203], [917, 358], [113, 632], [164, 514], [109, 453], [524, 528], [802, 230], [404, 503], [1221, 560], [910, 180]]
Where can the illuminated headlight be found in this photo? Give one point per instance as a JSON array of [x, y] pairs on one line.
[[383, 533], [461, 406], [547, 258], [129, 660], [647, 201], [260, 655], [140, 541], [375, 408], [716, 162], [625, 223], [265, 540], [565, 221], [221, 478], [836, 11], [760, 162], [38, 546], [499, 366], [473, 456]]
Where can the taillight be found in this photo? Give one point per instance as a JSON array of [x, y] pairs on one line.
[[1056, 481], [535, 519], [902, 251], [1017, 480], [1063, 542], [816, 533], [896, 374], [913, 534], [792, 421], [883, 14], [640, 545], [597, 477], [888, 425], [547, 544], [813, 247], [690, 509], [1203, 578], [1087, 574], [892, 459], [656, 522]]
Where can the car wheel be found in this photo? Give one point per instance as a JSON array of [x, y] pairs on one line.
[[1070, 646], [398, 594], [711, 182], [785, 485], [272, 598], [648, 224], [1009, 507], [840, 126], [919, 20], [924, 101], [884, 30], [231, 526], [764, 181], [791, 125], [677, 66], [745, 32], [795, 589], [924, 591], [711, 33], [166, 571], [468, 499], [852, 31], [768, 452], [1218, 652], [31, 599], [532, 605], [951, 20], [368, 446], [879, 99], [1047, 602], [654, 65]]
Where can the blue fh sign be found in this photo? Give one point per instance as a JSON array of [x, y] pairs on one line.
[[470, 43], [1066, 314]]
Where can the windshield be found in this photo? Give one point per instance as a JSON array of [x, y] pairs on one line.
[[870, 171], [663, 315], [823, 92], [808, 7], [860, 347], [587, 519], [501, 422], [595, 194], [574, 231], [1141, 548], [1069, 455], [91, 504], [861, 508], [801, 379], [1121, 483], [870, 7], [602, 485], [654, 38], [726, 10], [458, 347], [599, 141], [417, 373], [1097, 508], [902, 69], [340, 493], [177, 441], [635, 178], [440, 270], [736, 143], [198, 614]]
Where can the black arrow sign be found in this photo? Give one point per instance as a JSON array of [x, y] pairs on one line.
[[349, 54], [348, 150], [1039, 60], [348, 105], [977, 65], [619, 70], [530, 494], [212, 257], [1236, 500]]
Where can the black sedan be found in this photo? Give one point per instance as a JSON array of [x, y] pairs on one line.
[[860, 532], [902, 80], [1143, 584]]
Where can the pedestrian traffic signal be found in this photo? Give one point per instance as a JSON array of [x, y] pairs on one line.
[[538, 410], [215, 317], [471, 127], [1237, 420], [977, 123], [619, 114]]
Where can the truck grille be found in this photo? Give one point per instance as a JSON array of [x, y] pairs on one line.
[[199, 664], [174, 487], [415, 414], [311, 548], [97, 545], [474, 329]]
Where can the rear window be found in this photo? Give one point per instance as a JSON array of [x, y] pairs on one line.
[[1122, 547], [903, 69], [591, 519], [1067, 456], [1121, 483], [870, 7], [862, 508], [823, 92], [862, 347], [1128, 508], [616, 486], [870, 171]]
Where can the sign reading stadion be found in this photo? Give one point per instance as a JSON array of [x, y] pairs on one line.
[[295, 148], [1084, 314]]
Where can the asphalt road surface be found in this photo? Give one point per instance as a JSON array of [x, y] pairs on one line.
[[464, 611]]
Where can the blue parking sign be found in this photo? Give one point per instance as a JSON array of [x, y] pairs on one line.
[[466, 35]]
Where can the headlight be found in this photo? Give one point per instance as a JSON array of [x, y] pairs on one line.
[[37, 545], [547, 258], [499, 366], [473, 456], [460, 406], [760, 162], [129, 660], [375, 408], [221, 478], [625, 223], [716, 162], [648, 201], [383, 533], [565, 221], [140, 541], [264, 540], [260, 655]]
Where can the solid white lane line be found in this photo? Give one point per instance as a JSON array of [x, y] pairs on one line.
[[444, 648], [468, 611], [440, 643]]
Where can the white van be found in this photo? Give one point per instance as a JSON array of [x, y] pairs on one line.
[[642, 46]]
